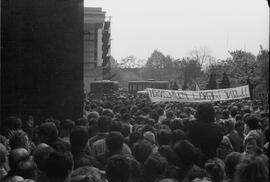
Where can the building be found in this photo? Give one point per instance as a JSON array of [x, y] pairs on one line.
[[96, 45], [42, 59]]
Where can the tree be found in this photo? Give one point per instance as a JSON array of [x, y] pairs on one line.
[[158, 66], [263, 67], [202, 55], [225, 82], [114, 63], [131, 62], [190, 70], [212, 84], [243, 66]]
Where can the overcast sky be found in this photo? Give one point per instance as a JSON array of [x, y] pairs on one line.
[[175, 27]]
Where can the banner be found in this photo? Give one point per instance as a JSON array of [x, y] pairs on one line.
[[159, 95]]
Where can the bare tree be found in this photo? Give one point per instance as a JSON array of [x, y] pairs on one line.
[[202, 55]]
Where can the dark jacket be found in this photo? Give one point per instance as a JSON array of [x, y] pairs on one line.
[[206, 137]]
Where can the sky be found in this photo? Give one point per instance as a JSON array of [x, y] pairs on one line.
[[175, 27]]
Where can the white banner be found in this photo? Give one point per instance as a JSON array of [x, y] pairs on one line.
[[159, 95]]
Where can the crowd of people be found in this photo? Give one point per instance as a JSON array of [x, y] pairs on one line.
[[126, 138]]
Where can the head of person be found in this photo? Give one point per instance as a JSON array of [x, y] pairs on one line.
[[234, 111], [225, 147], [231, 161], [154, 168], [246, 109], [78, 140], [114, 142], [205, 113], [16, 156], [164, 137], [59, 166], [178, 135], [169, 115], [176, 124], [252, 122], [186, 153], [47, 132], [115, 126], [87, 174], [118, 169], [82, 122], [167, 152], [141, 150], [150, 137], [93, 114], [240, 127], [225, 114], [11, 123], [135, 137], [41, 154], [19, 139], [108, 112], [65, 127], [252, 168], [215, 169], [27, 169], [104, 123], [228, 126], [238, 117]]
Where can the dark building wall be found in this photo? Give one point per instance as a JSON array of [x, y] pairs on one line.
[[42, 58]]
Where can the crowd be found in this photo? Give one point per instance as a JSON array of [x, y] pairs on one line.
[[126, 138]]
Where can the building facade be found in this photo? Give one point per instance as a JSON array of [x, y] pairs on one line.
[[42, 59], [96, 45]]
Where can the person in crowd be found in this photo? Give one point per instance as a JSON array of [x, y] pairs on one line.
[[103, 127], [19, 139], [48, 133], [178, 135], [3, 160], [154, 168], [10, 124], [204, 133], [87, 174], [40, 156], [234, 137], [59, 166], [253, 130], [141, 150], [152, 139], [65, 129], [231, 161], [78, 141], [215, 169], [118, 169], [164, 137], [252, 168], [114, 142], [15, 157]]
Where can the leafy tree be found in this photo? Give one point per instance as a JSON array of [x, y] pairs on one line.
[[190, 70], [225, 82], [158, 66], [243, 66], [212, 84], [263, 67], [114, 63]]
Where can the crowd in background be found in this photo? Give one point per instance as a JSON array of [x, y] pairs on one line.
[[126, 138]]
